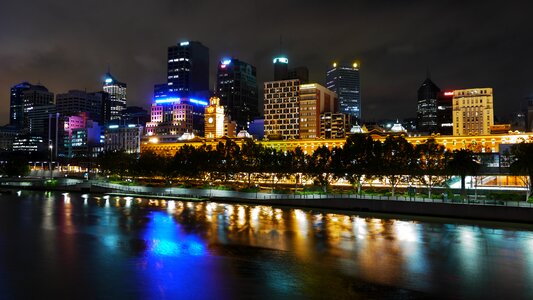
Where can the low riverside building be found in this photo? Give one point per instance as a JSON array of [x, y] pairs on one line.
[[477, 143]]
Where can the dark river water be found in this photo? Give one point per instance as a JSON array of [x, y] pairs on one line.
[[74, 246]]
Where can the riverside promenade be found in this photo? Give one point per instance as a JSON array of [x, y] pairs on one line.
[[473, 208], [508, 211]]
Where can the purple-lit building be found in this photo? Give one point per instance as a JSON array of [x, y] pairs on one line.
[[82, 137]]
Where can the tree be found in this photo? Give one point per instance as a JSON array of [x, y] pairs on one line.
[[462, 163], [431, 163], [250, 161], [320, 165], [395, 158], [187, 162], [116, 162], [358, 157], [17, 165], [150, 165], [522, 163]]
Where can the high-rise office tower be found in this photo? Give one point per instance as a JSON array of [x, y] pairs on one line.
[[282, 109], [237, 90], [427, 107], [473, 111], [117, 96], [16, 105], [281, 68], [282, 71], [314, 100], [345, 82], [25, 97], [188, 70], [75, 102]]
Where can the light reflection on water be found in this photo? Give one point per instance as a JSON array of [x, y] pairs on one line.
[[165, 246]]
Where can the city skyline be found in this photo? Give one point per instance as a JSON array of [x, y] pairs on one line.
[[460, 51]]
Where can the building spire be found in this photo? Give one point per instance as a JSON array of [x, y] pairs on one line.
[[428, 73]]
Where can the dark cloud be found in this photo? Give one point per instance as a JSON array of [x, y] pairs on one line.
[[69, 44]]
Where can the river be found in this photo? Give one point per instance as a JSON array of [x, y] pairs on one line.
[[79, 246]]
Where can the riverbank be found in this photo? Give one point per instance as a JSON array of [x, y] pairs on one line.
[[521, 212], [433, 209]]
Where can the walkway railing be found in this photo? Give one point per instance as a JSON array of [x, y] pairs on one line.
[[209, 193]]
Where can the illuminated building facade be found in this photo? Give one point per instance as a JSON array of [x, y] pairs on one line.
[[237, 89], [282, 109], [214, 119], [473, 111], [314, 100], [117, 96], [345, 82], [479, 144], [427, 107], [173, 116], [334, 125], [82, 137], [123, 137]]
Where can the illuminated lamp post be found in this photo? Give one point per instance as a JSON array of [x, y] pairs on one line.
[[50, 147]]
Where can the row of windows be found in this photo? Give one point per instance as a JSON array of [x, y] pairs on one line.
[[281, 95], [290, 83]]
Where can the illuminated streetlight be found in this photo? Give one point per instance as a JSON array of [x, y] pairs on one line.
[[50, 161]]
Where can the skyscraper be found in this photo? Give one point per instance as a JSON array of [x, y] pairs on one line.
[[281, 68], [188, 70], [345, 82], [445, 113], [16, 105], [282, 71], [117, 96], [427, 107], [314, 100], [473, 111], [75, 102], [282, 109], [237, 90], [25, 97]]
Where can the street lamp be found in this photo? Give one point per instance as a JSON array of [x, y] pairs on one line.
[[50, 161]]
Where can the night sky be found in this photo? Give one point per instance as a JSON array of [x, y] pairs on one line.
[[66, 44]]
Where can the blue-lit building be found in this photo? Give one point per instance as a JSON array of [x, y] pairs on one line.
[[237, 90], [117, 96], [345, 82], [179, 104], [176, 116]]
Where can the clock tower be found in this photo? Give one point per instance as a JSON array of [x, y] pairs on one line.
[[214, 119]]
